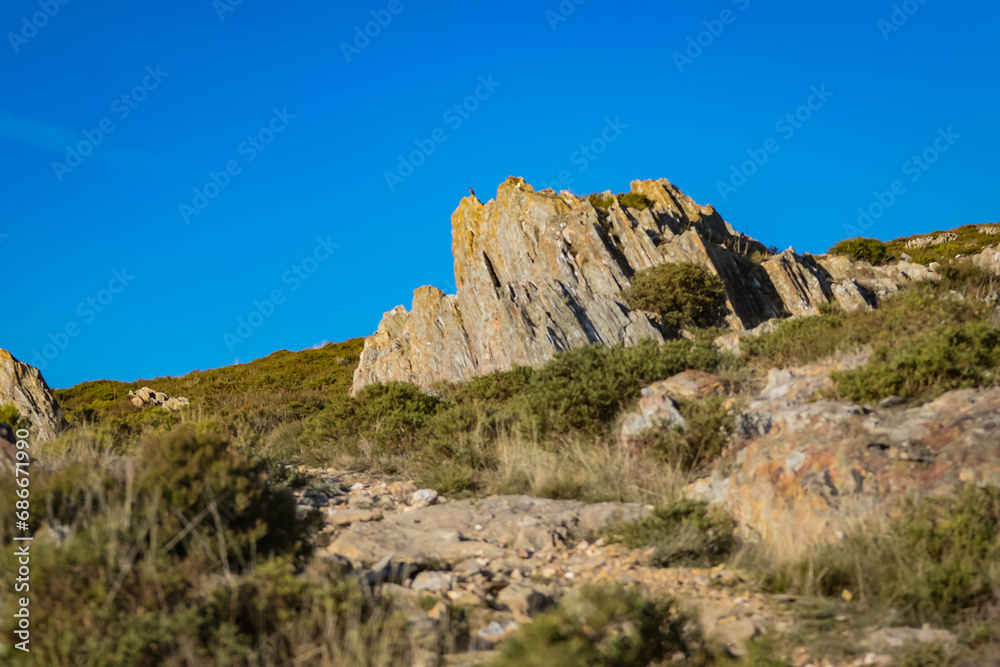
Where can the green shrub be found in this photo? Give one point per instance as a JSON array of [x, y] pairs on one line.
[[196, 489], [685, 533], [9, 415], [901, 317], [584, 389], [859, 249], [682, 293], [634, 200], [949, 357], [604, 626], [708, 427], [937, 562], [601, 201]]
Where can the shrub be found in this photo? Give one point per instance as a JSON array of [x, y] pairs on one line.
[[9, 415], [859, 249], [939, 561], [601, 201], [682, 293], [584, 389], [604, 626], [684, 533], [196, 490], [949, 357], [634, 200], [709, 426]]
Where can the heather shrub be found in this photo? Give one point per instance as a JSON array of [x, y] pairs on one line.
[[685, 533], [634, 200], [682, 294], [872, 251]]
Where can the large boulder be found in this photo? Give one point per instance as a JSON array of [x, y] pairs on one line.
[[24, 387], [809, 469]]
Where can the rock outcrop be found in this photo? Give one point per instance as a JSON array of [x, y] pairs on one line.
[[24, 387], [147, 396], [810, 469], [540, 272]]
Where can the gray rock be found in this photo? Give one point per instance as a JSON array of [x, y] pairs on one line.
[[524, 601], [433, 582]]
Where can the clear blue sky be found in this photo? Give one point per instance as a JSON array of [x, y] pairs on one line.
[[212, 83]]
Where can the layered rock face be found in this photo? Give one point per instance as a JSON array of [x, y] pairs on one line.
[[540, 272], [24, 387]]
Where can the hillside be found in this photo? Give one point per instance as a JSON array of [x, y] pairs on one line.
[[633, 437]]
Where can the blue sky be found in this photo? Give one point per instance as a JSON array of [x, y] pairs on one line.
[[116, 263]]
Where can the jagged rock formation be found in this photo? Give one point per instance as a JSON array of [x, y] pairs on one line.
[[24, 387], [540, 272]]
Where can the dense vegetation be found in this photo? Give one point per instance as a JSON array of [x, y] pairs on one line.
[[970, 240]]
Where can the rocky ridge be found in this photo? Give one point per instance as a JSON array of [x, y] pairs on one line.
[[540, 272]]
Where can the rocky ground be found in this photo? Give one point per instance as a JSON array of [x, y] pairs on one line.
[[504, 559]]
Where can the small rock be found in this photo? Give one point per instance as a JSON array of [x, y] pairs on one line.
[[433, 582], [891, 401], [424, 498], [493, 634], [357, 487]]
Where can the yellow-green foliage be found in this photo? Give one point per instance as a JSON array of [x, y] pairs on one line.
[[872, 251], [970, 241], [253, 401], [634, 200], [604, 626], [601, 201], [682, 293], [9, 415]]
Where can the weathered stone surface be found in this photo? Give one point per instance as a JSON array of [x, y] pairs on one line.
[[24, 387], [524, 601], [494, 527], [811, 469], [540, 272], [147, 396]]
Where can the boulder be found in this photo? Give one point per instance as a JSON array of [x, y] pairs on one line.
[[808, 470], [24, 387]]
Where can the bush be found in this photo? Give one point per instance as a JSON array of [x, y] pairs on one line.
[[685, 533], [601, 201], [604, 626], [859, 249], [681, 293], [9, 415], [709, 426], [584, 389], [937, 562], [949, 357], [634, 200]]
